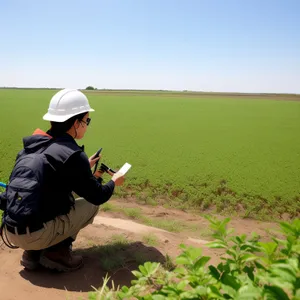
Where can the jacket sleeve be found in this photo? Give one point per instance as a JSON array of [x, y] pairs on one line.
[[83, 182]]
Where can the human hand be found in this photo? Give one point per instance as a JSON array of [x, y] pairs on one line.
[[98, 173], [93, 159], [118, 178]]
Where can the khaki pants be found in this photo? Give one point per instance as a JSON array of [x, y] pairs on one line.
[[59, 229]]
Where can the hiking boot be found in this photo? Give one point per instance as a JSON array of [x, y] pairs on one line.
[[61, 259], [30, 259]]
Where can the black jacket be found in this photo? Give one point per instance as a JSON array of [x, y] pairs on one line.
[[68, 171]]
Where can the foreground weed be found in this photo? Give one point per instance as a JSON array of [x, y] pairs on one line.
[[169, 264], [250, 269], [119, 239], [108, 207], [150, 239], [169, 225], [110, 263], [133, 213]]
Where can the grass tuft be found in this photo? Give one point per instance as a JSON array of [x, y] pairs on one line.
[[150, 239]]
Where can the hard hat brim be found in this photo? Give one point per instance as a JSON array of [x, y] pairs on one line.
[[62, 118]]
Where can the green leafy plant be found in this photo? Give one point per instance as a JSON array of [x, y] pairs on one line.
[[249, 269]]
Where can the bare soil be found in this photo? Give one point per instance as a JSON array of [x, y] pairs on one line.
[[108, 227]]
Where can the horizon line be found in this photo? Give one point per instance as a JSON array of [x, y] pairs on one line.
[[151, 90]]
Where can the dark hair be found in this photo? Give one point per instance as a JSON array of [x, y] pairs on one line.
[[59, 128]]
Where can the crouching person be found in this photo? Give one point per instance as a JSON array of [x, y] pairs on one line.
[[41, 215]]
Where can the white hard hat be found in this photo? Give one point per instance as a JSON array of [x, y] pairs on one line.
[[65, 104]]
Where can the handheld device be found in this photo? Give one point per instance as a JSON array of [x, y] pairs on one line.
[[97, 155], [105, 168], [125, 168]]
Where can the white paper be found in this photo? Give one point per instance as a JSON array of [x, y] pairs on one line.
[[125, 168]]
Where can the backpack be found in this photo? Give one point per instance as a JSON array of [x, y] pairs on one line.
[[2, 202], [21, 199]]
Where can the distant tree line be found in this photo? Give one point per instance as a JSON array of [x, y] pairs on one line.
[[90, 88]]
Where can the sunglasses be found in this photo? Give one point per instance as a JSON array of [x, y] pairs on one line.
[[87, 122]]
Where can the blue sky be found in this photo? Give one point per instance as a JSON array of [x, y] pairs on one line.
[[216, 45]]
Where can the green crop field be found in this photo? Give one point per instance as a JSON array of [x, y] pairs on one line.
[[232, 154]]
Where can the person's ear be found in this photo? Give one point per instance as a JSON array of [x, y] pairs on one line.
[[76, 124]]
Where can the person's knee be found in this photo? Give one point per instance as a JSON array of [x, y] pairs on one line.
[[95, 210], [88, 207]]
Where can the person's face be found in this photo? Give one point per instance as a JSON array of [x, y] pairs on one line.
[[81, 126]]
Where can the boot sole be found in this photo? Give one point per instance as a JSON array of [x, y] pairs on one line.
[[29, 265], [49, 264]]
